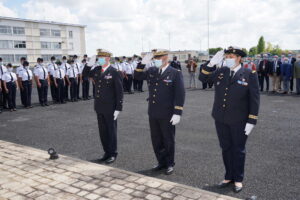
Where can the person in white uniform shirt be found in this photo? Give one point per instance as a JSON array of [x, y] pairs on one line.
[[18, 71], [51, 69], [59, 81], [26, 84], [66, 67], [72, 76], [3, 95], [10, 86], [79, 71], [128, 76], [42, 81]]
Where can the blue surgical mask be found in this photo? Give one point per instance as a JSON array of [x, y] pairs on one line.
[[101, 61], [229, 62], [157, 63]]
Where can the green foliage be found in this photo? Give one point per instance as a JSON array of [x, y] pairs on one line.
[[213, 51]]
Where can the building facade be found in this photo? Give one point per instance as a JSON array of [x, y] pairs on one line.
[[33, 39]]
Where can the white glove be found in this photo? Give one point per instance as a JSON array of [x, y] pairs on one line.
[[218, 57], [175, 119], [249, 127], [116, 114], [92, 61]]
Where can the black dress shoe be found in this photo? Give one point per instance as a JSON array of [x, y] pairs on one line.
[[110, 160], [223, 185], [158, 168], [169, 170], [46, 104], [237, 189]]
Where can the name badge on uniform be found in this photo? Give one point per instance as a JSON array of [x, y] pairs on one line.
[[108, 77], [168, 81]]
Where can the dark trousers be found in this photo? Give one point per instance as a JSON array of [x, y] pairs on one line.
[[27, 89], [140, 85], [232, 140], [128, 82], [292, 84], [73, 88], [85, 88], [205, 84], [43, 92], [3, 96], [94, 90], [22, 96], [11, 86], [66, 89], [108, 133], [135, 84], [53, 89], [261, 82], [163, 140], [77, 89], [60, 90]]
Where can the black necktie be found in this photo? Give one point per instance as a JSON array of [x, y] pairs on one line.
[[44, 72], [28, 74], [160, 71], [73, 72], [231, 74], [59, 73], [12, 79], [1, 70], [77, 68]]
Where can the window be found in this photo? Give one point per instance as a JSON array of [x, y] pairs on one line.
[[58, 57], [6, 44], [71, 46], [45, 45], [19, 56], [55, 33], [56, 45], [7, 58], [70, 34], [46, 57], [20, 44], [5, 30], [45, 32], [18, 30]]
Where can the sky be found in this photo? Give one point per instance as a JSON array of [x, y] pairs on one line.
[[127, 27]]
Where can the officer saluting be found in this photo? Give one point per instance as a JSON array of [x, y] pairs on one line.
[[166, 99], [108, 104], [235, 109]]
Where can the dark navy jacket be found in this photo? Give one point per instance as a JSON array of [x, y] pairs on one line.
[[236, 100], [109, 90], [166, 91]]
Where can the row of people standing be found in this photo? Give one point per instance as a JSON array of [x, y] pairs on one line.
[[64, 78]]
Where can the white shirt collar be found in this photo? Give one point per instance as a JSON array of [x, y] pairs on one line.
[[237, 68], [104, 69], [164, 68]]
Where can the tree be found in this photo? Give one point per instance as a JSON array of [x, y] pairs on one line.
[[213, 51], [261, 45], [269, 47], [245, 50], [252, 51], [276, 50]]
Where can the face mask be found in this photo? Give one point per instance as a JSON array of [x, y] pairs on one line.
[[27, 67], [10, 69], [229, 62], [1, 63], [101, 61], [157, 63], [64, 61]]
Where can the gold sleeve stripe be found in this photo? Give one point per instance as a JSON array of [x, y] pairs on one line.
[[139, 70], [253, 117], [253, 71], [178, 107], [205, 72]]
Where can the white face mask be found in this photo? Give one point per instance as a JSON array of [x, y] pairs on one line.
[[229, 62], [27, 67], [10, 69], [158, 63]]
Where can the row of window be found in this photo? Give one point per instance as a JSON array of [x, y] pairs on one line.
[[15, 58], [10, 44], [8, 30]]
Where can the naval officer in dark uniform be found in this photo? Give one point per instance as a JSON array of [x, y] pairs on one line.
[[108, 104], [166, 99], [235, 109]]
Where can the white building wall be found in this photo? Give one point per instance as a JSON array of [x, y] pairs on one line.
[[33, 39]]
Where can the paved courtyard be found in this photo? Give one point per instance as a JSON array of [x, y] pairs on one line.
[[272, 163]]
